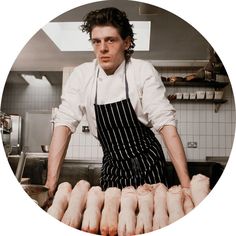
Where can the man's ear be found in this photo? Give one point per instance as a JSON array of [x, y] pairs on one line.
[[127, 42]]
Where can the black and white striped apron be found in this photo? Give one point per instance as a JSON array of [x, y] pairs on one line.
[[132, 154]]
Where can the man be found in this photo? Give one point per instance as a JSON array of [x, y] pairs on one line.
[[122, 98]]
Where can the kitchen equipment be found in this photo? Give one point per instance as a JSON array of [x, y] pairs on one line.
[[38, 193], [6, 129], [209, 76], [191, 77], [209, 95], [174, 79], [45, 148], [171, 97], [20, 166], [16, 139], [219, 94], [201, 94], [179, 95], [185, 95], [192, 96]]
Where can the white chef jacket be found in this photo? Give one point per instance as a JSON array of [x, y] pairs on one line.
[[146, 93]]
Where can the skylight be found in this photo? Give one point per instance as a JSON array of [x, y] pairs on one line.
[[67, 36], [32, 80]]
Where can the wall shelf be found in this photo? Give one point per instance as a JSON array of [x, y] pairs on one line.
[[211, 84], [207, 84], [216, 102]]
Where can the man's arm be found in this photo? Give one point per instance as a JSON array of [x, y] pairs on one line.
[[176, 153], [57, 151]]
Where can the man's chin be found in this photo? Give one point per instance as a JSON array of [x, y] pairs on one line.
[[106, 66]]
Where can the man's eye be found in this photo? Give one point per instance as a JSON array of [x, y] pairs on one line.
[[95, 42], [111, 40]]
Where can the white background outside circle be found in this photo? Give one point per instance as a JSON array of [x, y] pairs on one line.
[[20, 20]]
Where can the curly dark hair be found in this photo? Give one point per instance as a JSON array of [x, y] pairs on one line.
[[110, 17]]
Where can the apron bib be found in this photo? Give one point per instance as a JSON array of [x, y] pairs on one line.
[[132, 154]]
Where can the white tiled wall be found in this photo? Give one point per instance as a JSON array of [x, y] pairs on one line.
[[83, 145], [21, 98], [213, 132]]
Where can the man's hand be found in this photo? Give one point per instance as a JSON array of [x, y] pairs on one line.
[[51, 185]]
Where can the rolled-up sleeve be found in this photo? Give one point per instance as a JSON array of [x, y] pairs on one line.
[[71, 109], [155, 104]]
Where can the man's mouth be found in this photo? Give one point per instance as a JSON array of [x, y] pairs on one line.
[[104, 59]]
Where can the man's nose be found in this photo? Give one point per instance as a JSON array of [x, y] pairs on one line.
[[103, 46]]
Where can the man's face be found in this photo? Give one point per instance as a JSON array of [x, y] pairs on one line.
[[109, 47]]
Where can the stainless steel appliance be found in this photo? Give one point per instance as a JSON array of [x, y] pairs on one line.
[[6, 129], [16, 134]]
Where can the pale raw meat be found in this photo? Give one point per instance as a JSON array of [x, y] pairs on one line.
[[200, 188], [60, 201], [145, 206], [188, 203], [76, 206], [175, 199], [154, 186], [109, 221], [92, 213], [160, 218], [127, 216]]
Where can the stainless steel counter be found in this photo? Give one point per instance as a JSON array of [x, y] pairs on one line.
[[219, 159], [74, 170]]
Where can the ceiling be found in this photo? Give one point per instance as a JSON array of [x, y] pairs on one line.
[[171, 39]]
